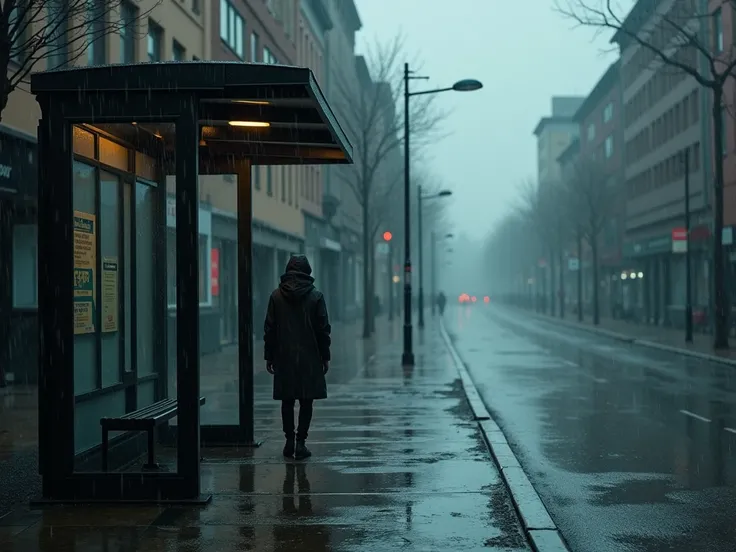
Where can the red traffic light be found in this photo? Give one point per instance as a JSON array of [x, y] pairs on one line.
[[387, 236], [486, 299]]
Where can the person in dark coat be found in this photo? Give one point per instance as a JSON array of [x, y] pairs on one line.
[[441, 302], [296, 337]]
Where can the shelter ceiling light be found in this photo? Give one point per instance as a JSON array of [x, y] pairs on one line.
[[252, 124], [252, 102]]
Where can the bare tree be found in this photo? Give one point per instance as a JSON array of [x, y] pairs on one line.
[[509, 258], [59, 33], [540, 206], [589, 192], [377, 133], [680, 38]]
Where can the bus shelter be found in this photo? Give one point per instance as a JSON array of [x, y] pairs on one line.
[[116, 144]]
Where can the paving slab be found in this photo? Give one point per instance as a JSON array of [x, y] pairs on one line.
[[399, 463]]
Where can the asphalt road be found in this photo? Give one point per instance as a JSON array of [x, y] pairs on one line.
[[631, 449]]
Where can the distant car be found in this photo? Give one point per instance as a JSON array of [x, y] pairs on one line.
[[470, 299]]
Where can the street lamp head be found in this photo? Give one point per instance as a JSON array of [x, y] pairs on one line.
[[444, 193], [448, 236], [467, 85]]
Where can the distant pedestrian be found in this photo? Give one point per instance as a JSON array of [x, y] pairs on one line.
[[297, 350], [441, 302]]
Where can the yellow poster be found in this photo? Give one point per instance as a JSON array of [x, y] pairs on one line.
[[109, 294], [85, 263]]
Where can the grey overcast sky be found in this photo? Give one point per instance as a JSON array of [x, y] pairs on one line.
[[522, 55]]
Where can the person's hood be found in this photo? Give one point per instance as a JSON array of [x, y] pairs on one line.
[[296, 281]]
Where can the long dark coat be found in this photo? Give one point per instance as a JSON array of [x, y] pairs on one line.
[[297, 335]]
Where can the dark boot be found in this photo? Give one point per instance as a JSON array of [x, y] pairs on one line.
[[289, 447], [302, 451]]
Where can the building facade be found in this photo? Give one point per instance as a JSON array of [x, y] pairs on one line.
[[341, 207], [170, 30], [601, 142], [263, 32], [723, 39], [322, 242], [554, 134], [665, 119]]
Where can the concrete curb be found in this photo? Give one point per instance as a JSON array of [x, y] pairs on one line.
[[540, 530], [628, 339]]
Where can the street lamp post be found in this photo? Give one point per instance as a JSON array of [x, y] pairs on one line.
[[420, 203], [467, 85]]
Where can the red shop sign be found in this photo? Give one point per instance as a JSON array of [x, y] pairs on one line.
[[215, 272]]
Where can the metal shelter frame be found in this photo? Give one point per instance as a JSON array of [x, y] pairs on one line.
[[180, 114]]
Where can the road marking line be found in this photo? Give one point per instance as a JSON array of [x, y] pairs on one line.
[[693, 415], [730, 429]]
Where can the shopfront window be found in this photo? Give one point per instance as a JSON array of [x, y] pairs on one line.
[[25, 266]]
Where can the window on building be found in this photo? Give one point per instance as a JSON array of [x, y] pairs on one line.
[[195, 6], [253, 47], [178, 52], [58, 39], [155, 36], [269, 181], [608, 112], [608, 147], [232, 28], [18, 40], [128, 17], [718, 31], [25, 266], [591, 131], [96, 34], [291, 188], [268, 57], [255, 176]]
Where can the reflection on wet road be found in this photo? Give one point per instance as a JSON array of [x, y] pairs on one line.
[[631, 449]]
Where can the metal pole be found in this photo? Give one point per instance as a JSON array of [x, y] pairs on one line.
[[390, 281], [420, 304], [433, 269], [688, 287], [407, 358]]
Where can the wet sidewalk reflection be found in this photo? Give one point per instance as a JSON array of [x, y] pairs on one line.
[[398, 464]]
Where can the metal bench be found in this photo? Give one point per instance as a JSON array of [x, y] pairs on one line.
[[144, 419]]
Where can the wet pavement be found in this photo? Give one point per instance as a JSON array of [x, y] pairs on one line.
[[631, 448], [658, 335], [399, 464]]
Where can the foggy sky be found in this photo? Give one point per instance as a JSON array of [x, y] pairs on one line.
[[522, 57]]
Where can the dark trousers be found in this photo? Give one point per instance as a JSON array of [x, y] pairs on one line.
[[305, 418]]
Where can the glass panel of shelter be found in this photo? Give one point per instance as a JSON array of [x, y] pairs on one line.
[[122, 331], [218, 316]]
